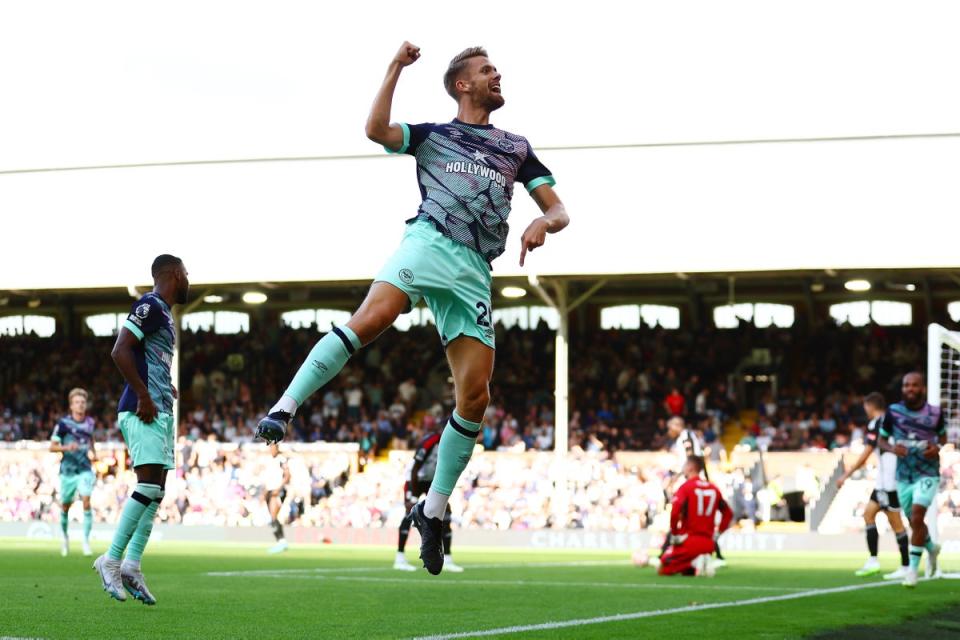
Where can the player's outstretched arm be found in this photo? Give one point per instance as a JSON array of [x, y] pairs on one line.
[[554, 219], [898, 449], [862, 460], [379, 128], [57, 447], [126, 362]]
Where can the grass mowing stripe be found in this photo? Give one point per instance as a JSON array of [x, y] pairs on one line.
[[620, 617]]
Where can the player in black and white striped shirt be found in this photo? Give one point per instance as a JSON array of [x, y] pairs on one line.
[[884, 497], [687, 443]]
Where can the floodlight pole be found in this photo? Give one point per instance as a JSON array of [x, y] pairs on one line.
[[178, 313], [175, 368], [561, 391], [561, 381]]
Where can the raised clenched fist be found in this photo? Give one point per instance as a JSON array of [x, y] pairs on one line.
[[407, 55]]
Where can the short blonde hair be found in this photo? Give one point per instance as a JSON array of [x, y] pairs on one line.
[[458, 64], [77, 392]]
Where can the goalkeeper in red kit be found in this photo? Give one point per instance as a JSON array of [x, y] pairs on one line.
[[693, 524]]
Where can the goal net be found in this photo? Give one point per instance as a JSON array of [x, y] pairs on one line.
[[943, 376], [943, 390]]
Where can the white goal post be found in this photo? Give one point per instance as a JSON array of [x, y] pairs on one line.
[[943, 390]]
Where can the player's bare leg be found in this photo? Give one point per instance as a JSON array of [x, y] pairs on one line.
[[64, 525], [920, 540], [471, 362], [133, 580], [119, 568], [400, 562], [872, 565], [273, 506], [933, 546], [448, 563], [896, 523], [383, 304], [87, 524]]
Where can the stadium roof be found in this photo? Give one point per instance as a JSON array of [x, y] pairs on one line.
[[811, 291], [633, 119]]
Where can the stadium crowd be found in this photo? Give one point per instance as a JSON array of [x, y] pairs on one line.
[[624, 385], [224, 484]]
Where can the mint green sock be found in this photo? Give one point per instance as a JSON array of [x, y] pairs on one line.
[[929, 544], [456, 446], [138, 542], [915, 554], [87, 524], [142, 496], [64, 521], [325, 361]]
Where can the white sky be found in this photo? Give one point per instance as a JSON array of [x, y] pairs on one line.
[[126, 82]]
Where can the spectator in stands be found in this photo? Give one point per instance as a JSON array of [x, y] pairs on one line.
[[675, 403]]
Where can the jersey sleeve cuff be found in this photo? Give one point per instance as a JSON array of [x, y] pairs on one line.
[[536, 182], [134, 329], [406, 140], [54, 438]]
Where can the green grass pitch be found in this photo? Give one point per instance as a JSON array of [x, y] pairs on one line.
[[232, 591]]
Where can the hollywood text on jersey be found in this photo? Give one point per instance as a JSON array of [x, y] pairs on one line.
[[477, 170]]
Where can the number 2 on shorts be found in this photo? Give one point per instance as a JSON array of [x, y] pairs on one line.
[[484, 312]]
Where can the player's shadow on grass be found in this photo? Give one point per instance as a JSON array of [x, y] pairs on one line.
[[935, 624]]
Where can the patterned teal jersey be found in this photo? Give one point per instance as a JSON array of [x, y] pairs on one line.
[[466, 174], [69, 430], [916, 430], [151, 321]]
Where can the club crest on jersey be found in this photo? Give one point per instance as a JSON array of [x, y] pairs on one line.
[[143, 310], [506, 145], [406, 276]]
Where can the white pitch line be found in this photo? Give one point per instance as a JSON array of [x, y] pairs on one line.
[[535, 565], [620, 617], [512, 583], [503, 565], [553, 583], [279, 573]]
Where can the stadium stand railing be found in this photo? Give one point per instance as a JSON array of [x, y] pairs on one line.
[[817, 510]]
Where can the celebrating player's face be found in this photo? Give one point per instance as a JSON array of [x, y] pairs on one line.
[[484, 82], [78, 405], [913, 389], [183, 285]]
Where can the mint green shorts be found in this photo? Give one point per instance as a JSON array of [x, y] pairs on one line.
[[452, 278], [922, 492], [81, 483], [148, 443]]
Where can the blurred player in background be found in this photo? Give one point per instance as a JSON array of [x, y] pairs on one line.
[[884, 496], [73, 437], [144, 354], [419, 479], [686, 443], [466, 169], [276, 478], [693, 524], [913, 429]]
